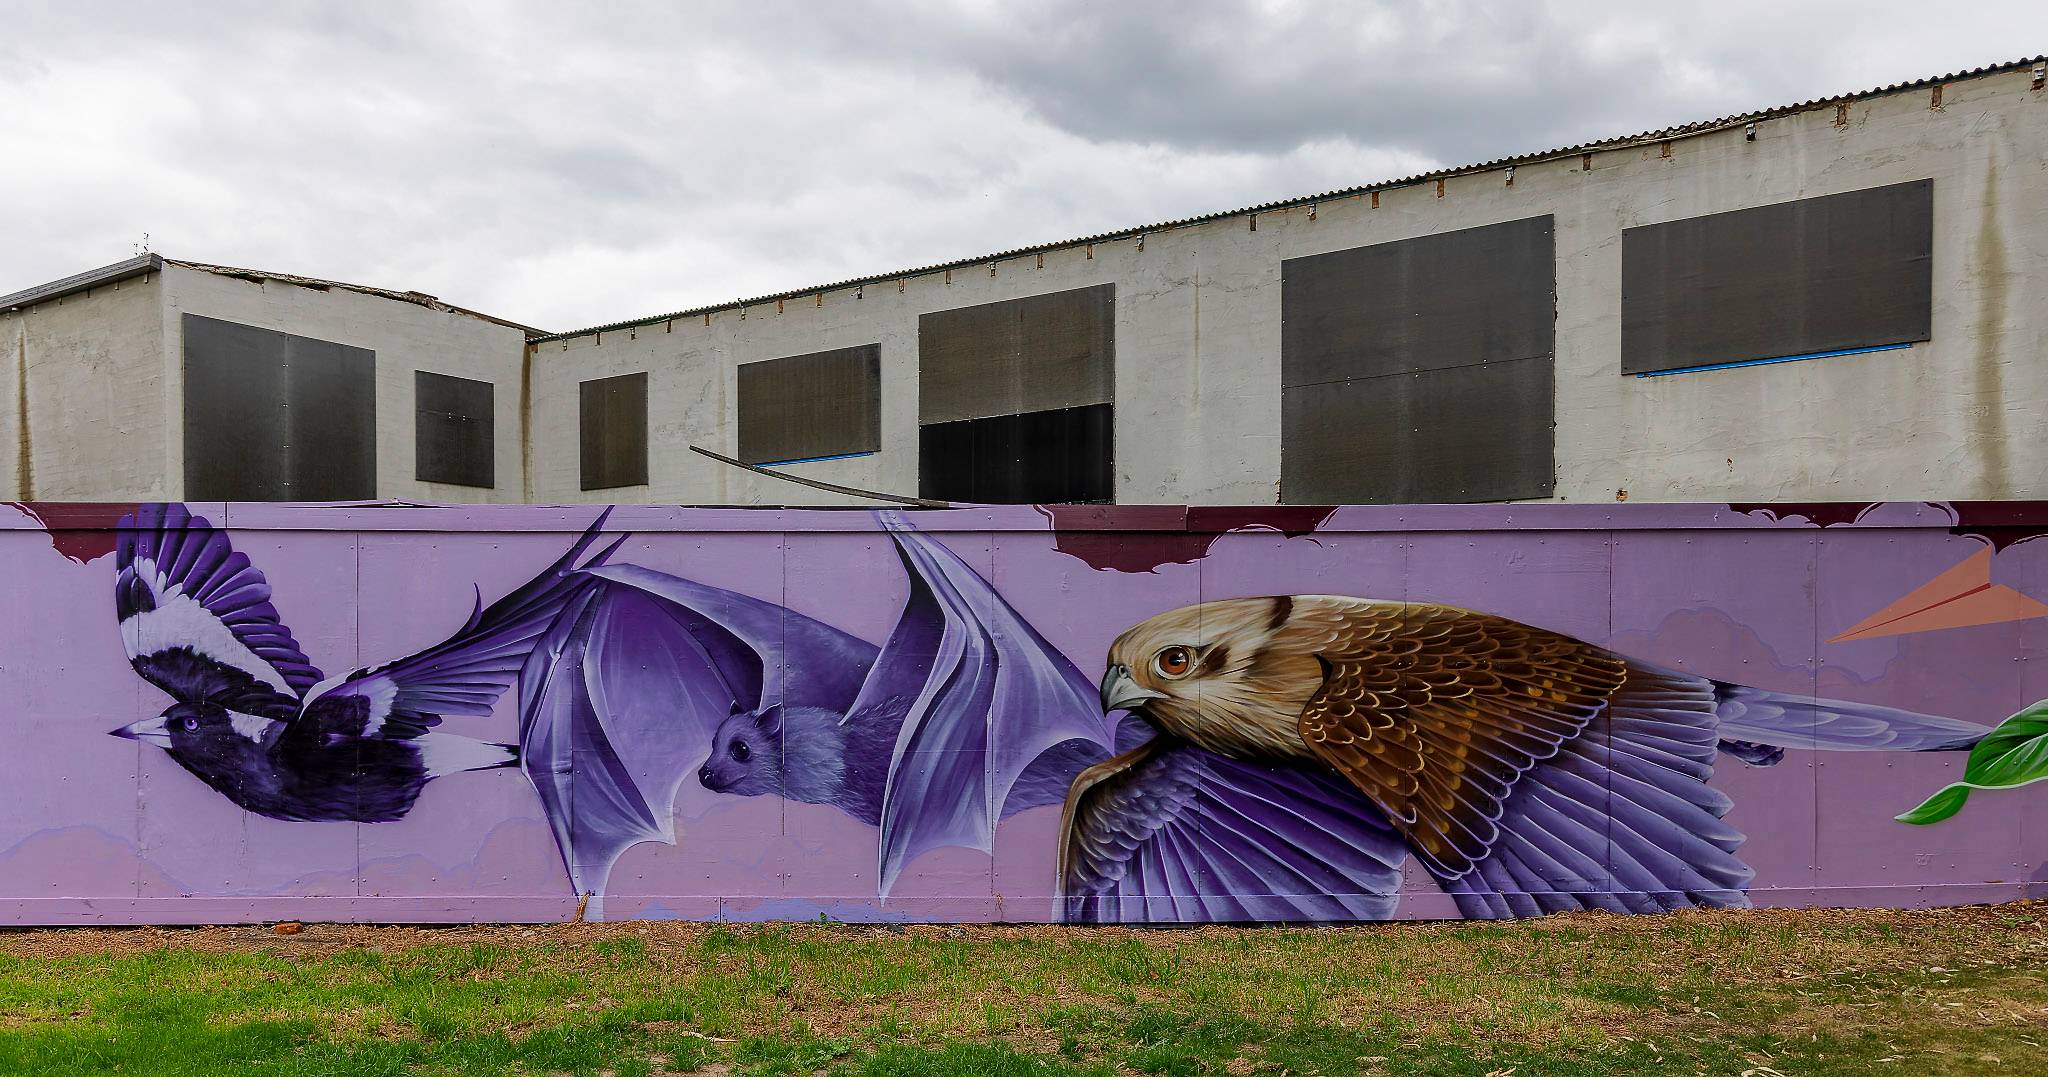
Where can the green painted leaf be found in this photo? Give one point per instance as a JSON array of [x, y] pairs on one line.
[[2014, 754], [1937, 807]]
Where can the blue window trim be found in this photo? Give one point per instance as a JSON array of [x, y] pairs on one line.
[[1774, 359], [815, 459]]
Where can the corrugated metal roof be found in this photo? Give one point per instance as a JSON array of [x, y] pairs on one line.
[[1662, 135], [155, 263]]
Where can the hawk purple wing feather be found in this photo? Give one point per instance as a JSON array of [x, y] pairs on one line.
[[1187, 835]]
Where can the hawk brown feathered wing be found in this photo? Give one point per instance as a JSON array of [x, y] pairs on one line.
[[1435, 712]]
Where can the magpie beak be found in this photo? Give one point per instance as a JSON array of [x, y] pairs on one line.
[[152, 730], [1120, 692]]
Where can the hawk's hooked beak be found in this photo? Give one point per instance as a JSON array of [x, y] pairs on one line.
[[1120, 692], [152, 730]]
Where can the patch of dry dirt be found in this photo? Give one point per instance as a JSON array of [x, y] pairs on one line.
[[1678, 933]]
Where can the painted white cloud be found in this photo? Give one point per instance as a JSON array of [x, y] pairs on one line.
[[566, 165]]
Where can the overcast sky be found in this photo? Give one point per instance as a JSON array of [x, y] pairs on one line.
[[567, 164]]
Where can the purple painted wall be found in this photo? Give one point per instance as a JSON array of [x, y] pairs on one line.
[[1770, 640]]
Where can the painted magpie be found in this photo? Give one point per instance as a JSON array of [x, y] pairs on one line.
[[254, 719]]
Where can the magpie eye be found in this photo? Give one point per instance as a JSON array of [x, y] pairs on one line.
[[190, 723], [739, 751], [1174, 661]]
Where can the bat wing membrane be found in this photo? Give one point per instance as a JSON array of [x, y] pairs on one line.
[[970, 665], [760, 649]]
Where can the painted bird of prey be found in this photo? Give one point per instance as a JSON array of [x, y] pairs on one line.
[[255, 720], [1307, 744]]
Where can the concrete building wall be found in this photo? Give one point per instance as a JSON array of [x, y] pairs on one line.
[[102, 418], [406, 337], [1198, 330], [90, 412]]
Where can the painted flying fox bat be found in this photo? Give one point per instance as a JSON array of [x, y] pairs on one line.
[[1528, 771], [962, 716]]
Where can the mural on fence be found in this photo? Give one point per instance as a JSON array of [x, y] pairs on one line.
[[1286, 754]]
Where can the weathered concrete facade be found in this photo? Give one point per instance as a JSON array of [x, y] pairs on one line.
[[405, 336], [103, 373], [1198, 318], [90, 396]]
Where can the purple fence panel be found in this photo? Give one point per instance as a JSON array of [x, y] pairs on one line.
[[1017, 713]]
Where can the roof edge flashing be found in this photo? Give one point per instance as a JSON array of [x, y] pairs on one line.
[[81, 282]]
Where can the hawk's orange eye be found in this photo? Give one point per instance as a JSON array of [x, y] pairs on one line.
[[1174, 661]]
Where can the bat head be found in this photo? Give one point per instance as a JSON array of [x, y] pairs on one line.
[[1213, 663], [746, 753]]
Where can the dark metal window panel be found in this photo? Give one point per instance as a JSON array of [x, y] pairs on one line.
[[1039, 353], [1472, 433], [1446, 300], [453, 430], [1817, 275], [614, 431], [1039, 458], [270, 416], [802, 407]]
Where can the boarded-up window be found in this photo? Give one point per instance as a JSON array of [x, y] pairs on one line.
[[614, 431], [1038, 353], [1457, 435], [271, 416], [1818, 275], [1016, 399], [1420, 371], [1041, 457], [452, 430], [804, 407]]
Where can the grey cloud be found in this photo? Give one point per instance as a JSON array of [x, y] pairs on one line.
[[571, 164], [1460, 80]]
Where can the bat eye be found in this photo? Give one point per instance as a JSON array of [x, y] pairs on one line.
[[739, 751], [1174, 661], [190, 723]]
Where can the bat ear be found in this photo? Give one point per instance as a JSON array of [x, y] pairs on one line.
[[770, 719], [736, 709]]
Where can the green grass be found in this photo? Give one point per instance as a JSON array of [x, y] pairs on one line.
[[1758, 993]]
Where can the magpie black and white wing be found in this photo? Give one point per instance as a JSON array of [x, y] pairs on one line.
[[196, 617], [462, 675]]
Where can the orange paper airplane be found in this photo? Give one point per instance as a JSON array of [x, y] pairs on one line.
[[1962, 596]]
